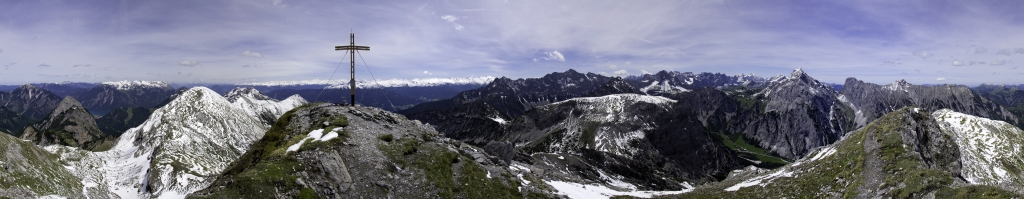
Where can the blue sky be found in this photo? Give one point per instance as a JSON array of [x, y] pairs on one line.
[[228, 41]]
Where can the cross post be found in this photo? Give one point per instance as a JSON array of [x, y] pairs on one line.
[[352, 48]]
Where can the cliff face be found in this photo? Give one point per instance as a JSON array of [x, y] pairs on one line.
[[793, 115]]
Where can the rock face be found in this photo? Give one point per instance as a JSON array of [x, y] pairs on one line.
[[799, 114], [112, 95], [335, 151], [614, 86], [28, 171], [31, 102], [70, 124], [872, 101], [174, 152]]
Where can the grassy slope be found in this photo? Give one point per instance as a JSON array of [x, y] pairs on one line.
[[267, 166], [839, 175]]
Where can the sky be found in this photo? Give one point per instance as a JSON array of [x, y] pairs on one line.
[[238, 41]]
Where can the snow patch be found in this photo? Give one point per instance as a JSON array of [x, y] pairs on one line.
[[760, 180], [576, 190], [315, 135]]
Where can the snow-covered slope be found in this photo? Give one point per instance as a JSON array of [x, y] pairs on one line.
[[610, 119], [260, 106], [174, 152], [990, 149]]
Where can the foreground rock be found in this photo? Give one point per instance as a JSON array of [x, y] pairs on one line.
[[331, 151]]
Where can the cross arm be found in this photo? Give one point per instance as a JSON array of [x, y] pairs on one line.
[[336, 48]]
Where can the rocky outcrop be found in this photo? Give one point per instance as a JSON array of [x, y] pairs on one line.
[[333, 151], [70, 124]]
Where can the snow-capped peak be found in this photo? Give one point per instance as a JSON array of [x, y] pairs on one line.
[[900, 85], [246, 92], [127, 85], [797, 73]]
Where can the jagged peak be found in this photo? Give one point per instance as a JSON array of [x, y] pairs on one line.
[[67, 103], [798, 73], [899, 85]]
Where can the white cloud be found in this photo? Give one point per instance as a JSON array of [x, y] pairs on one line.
[[449, 18], [940, 79], [621, 72], [997, 62], [188, 63], [923, 54], [644, 72], [980, 50], [534, 59], [459, 27], [252, 54], [44, 65], [1019, 51], [555, 55], [109, 68], [1005, 51], [958, 63], [277, 2], [427, 73]]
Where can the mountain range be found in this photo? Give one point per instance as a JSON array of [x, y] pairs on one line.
[[565, 134]]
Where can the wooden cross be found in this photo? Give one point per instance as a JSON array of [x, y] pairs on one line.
[[352, 48]]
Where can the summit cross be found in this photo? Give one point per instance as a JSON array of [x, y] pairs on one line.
[[352, 48]]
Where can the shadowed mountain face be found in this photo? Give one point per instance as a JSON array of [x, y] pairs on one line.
[[31, 102], [872, 101], [10, 122], [112, 95], [70, 125], [513, 97], [793, 115], [121, 119]]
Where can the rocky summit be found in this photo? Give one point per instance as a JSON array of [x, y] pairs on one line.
[[70, 124]]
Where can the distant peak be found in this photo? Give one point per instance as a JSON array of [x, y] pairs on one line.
[[797, 73], [247, 92]]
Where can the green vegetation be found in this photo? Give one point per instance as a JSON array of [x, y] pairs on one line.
[[454, 175], [33, 168], [267, 167], [974, 191], [387, 137], [738, 143]]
